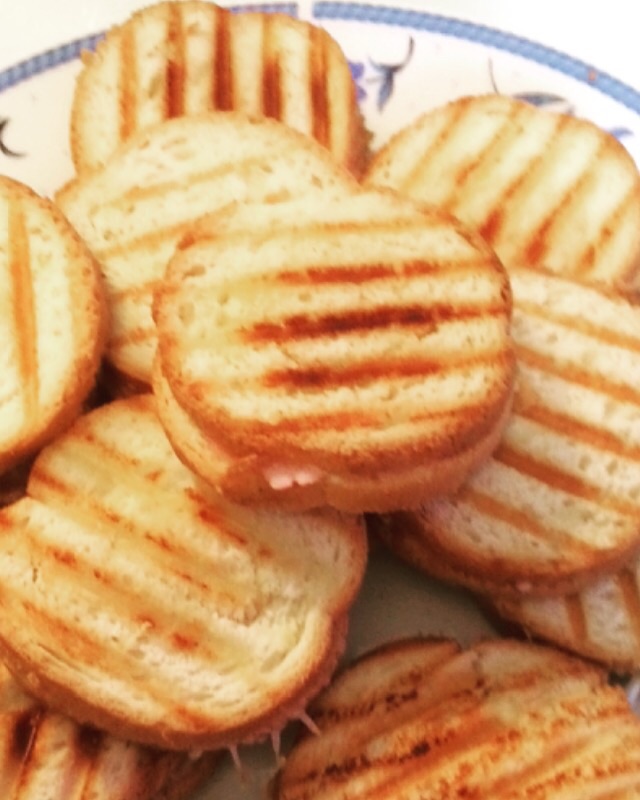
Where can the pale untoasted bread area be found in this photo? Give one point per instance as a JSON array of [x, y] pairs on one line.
[[500, 719], [189, 621], [355, 311], [53, 324], [182, 58], [545, 189], [557, 503], [134, 211]]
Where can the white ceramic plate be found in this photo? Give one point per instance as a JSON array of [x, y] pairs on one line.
[[404, 61]]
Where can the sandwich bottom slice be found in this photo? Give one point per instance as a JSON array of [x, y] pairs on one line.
[[423, 720], [139, 602], [46, 754]]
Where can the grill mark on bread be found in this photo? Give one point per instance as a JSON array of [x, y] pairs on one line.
[[368, 272], [577, 616], [272, 105], [25, 323], [128, 83], [175, 71], [493, 508], [222, 89], [419, 317], [318, 89]]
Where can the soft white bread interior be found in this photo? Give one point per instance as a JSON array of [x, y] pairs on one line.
[[137, 602], [175, 58], [366, 339], [422, 720], [53, 322], [544, 189], [558, 502], [45, 755], [133, 211]]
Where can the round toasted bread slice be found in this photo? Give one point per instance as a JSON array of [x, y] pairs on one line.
[[133, 211], [46, 754], [599, 622], [175, 58], [422, 719], [544, 189], [136, 601], [245, 479], [364, 339], [53, 322], [558, 503]]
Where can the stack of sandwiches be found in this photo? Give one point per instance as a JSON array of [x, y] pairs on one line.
[[268, 346]]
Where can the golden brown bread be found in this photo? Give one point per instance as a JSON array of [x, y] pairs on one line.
[[358, 349]]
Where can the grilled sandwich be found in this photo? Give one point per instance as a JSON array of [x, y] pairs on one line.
[[423, 720], [355, 354], [139, 603], [544, 189], [44, 754], [558, 502], [133, 211], [175, 58], [600, 622], [53, 320]]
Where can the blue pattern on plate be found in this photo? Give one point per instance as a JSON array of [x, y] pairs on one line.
[[420, 20]]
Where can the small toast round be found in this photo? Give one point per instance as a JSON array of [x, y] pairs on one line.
[[53, 322], [502, 719], [134, 600], [45, 754], [366, 339], [558, 502], [171, 59], [544, 189], [133, 211]]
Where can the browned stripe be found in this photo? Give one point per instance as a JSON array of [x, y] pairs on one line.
[[24, 313], [139, 292], [131, 337], [576, 375], [557, 208], [175, 70], [577, 618], [128, 89], [271, 70], [565, 425], [300, 326], [555, 478], [491, 226], [628, 586], [520, 520], [590, 327], [319, 88], [322, 378], [222, 72], [369, 271]]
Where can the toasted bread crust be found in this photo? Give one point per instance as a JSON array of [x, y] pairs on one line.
[[357, 326], [54, 325], [178, 58], [556, 504], [162, 651], [545, 189]]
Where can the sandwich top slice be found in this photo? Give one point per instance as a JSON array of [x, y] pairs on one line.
[[358, 349], [45, 754], [171, 59], [135, 601], [544, 189], [558, 502], [599, 622], [53, 323], [424, 720], [133, 211]]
